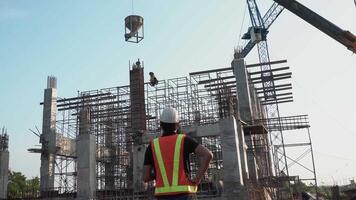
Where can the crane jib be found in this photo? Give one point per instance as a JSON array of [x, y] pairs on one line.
[[344, 37]]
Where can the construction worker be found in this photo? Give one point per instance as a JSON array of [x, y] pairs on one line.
[[153, 79], [168, 157]]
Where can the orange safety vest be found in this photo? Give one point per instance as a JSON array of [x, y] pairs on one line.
[[168, 158]]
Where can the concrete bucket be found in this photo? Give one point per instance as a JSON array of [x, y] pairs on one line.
[[133, 23]]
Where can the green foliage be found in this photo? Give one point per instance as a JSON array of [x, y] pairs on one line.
[[33, 186], [302, 187], [19, 186], [325, 191]]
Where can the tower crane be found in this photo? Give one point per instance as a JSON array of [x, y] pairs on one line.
[[257, 35], [260, 25]]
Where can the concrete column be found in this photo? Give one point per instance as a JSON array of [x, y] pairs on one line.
[[242, 86], [86, 158], [48, 137], [251, 161], [233, 179], [110, 158], [137, 121], [243, 150], [138, 158], [4, 173], [137, 97], [245, 109], [254, 103]]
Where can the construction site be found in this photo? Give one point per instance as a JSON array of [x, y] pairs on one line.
[[92, 145]]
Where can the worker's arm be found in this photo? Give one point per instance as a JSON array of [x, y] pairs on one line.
[[148, 165], [205, 156], [147, 173]]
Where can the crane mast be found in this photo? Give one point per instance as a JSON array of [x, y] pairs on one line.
[[257, 35]]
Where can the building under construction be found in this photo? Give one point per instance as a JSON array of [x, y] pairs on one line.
[[93, 145]]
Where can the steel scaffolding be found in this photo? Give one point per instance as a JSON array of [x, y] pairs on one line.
[[119, 116]]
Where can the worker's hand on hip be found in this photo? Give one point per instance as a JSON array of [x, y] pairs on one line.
[[195, 181]]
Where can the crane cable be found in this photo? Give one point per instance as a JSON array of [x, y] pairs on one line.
[[132, 6], [242, 24]]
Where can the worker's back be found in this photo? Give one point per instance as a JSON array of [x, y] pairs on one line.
[[168, 156]]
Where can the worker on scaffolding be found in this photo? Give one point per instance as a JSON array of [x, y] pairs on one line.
[[168, 157]]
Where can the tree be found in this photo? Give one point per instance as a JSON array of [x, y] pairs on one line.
[[16, 185], [19, 186], [33, 186]]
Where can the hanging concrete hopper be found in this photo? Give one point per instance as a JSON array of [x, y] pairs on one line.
[[133, 28]]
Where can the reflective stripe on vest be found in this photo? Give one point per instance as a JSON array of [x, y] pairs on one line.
[[172, 188]]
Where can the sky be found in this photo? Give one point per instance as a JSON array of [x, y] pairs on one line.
[[81, 43]]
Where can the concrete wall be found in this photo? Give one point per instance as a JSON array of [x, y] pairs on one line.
[[4, 172]]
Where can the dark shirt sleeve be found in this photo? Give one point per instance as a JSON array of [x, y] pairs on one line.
[[148, 156], [190, 145]]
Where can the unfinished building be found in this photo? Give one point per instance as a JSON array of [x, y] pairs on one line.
[[4, 163], [93, 144]]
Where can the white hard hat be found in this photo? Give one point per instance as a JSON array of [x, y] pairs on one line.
[[169, 115]]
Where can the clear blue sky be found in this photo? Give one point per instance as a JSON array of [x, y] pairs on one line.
[[81, 42]]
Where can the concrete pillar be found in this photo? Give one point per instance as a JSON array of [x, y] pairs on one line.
[[242, 86], [243, 150], [4, 163], [138, 158], [138, 124], [48, 137], [86, 158], [254, 103], [233, 180], [245, 110], [137, 98], [110, 158], [4, 173]]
